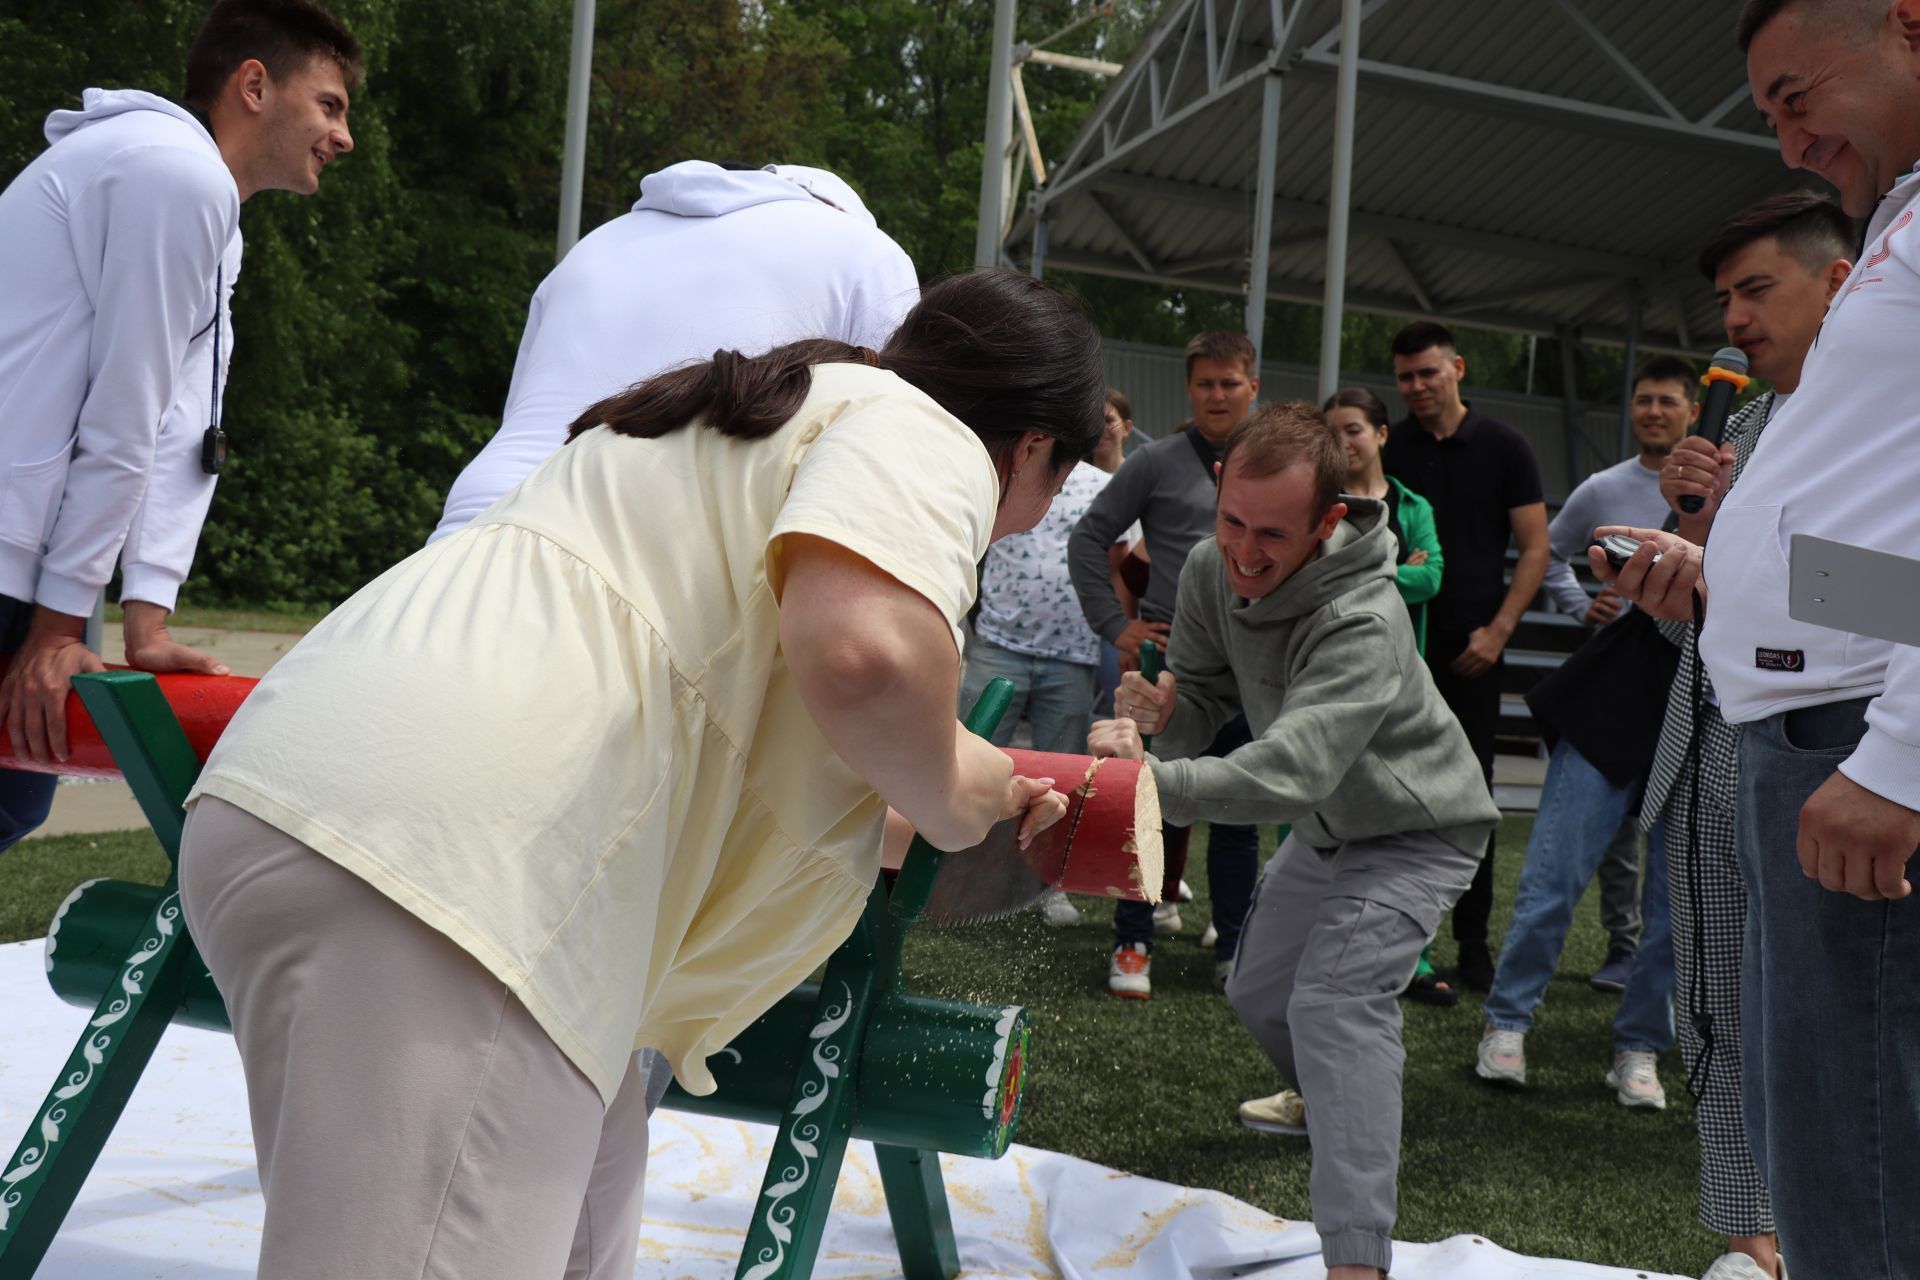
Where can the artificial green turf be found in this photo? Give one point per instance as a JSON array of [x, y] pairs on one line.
[[37, 875], [1557, 1170]]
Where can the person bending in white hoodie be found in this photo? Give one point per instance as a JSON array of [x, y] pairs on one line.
[[708, 259], [119, 245]]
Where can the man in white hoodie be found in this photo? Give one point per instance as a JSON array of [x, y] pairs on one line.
[[708, 258], [119, 245], [1827, 811]]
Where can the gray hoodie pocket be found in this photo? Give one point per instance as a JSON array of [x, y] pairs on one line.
[[32, 501]]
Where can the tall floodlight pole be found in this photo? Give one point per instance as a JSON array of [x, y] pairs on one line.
[[993, 159], [1339, 205], [573, 156]]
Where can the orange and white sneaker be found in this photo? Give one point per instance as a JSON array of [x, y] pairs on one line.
[[1127, 975]]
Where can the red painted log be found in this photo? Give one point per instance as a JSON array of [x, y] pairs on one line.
[[204, 705], [1109, 842]]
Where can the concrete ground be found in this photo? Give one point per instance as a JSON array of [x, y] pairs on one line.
[[83, 805]]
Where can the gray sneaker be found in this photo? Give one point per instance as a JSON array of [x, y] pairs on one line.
[[1635, 1081], [1735, 1266]]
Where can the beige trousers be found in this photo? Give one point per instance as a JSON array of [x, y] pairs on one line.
[[411, 1119]]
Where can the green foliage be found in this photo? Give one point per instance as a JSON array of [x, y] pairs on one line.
[[376, 323]]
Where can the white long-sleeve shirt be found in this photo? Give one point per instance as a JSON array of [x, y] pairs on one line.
[[1625, 493], [708, 258], [112, 242], [1841, 459]]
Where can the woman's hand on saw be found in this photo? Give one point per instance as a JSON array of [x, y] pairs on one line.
[[1035, 798]]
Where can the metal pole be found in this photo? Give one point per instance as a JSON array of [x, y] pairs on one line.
[[993, 159], [1261, 251], [1340, 203], [573, 158], [1569, 408], [1037, 266], [1632, 362]]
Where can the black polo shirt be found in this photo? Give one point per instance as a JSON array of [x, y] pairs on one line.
[[1473, 478]]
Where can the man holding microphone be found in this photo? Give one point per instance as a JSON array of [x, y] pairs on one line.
[[1828, 805]]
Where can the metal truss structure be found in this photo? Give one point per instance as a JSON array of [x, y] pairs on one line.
[[1544, 166]]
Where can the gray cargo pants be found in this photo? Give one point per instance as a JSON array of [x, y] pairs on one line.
[[1330, 943]]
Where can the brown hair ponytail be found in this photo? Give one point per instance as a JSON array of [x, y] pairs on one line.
[[999, 350]]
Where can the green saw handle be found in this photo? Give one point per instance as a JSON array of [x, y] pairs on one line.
[[915, 882], [1150, 672]]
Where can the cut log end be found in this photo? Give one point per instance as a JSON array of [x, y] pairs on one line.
[[1150, 854]]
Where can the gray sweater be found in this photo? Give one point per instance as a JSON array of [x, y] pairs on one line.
[[1352, 740], [1625, 493], [1170, 492]]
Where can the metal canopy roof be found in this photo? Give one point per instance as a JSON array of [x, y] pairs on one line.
[[1532, 165]]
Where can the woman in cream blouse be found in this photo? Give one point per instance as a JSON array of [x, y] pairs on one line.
[[608, 770]]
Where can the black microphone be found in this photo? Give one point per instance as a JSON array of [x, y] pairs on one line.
[[1724, 380]]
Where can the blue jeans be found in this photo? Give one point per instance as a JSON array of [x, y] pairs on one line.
[[1055, 694], [25, 798], [1830, 1021], [1580, 810]]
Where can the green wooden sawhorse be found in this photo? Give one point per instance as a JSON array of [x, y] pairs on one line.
[[852, 1056], [39, 1182]]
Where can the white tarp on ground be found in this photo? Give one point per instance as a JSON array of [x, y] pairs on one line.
[[175, 1193]]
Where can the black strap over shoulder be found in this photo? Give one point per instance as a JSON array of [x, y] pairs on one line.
[[1204, 449]]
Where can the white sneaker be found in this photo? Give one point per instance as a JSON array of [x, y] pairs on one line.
[[1186, 892], [1166, 918], [1127, 974], [1735, 1266], [1058, 911], [1211, 936], [1636, 1082], [1502, 1057]]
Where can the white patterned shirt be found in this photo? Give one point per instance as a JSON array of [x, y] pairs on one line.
[[1027, 601]]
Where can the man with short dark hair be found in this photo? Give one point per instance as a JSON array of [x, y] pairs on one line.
[[1774, 267], [1828, 793], [1484, 484], [1167, 486], [119, 245], [1290, 615], [1589, 805], [1663, 407]]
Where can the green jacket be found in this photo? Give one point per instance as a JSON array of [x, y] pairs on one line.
[[1352, 740], [1418, 583]]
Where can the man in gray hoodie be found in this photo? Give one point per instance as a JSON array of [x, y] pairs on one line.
[[1289, 615]]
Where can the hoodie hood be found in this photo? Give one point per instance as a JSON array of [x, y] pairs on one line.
[[105, 104], [1361, 550], [701, 189]]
